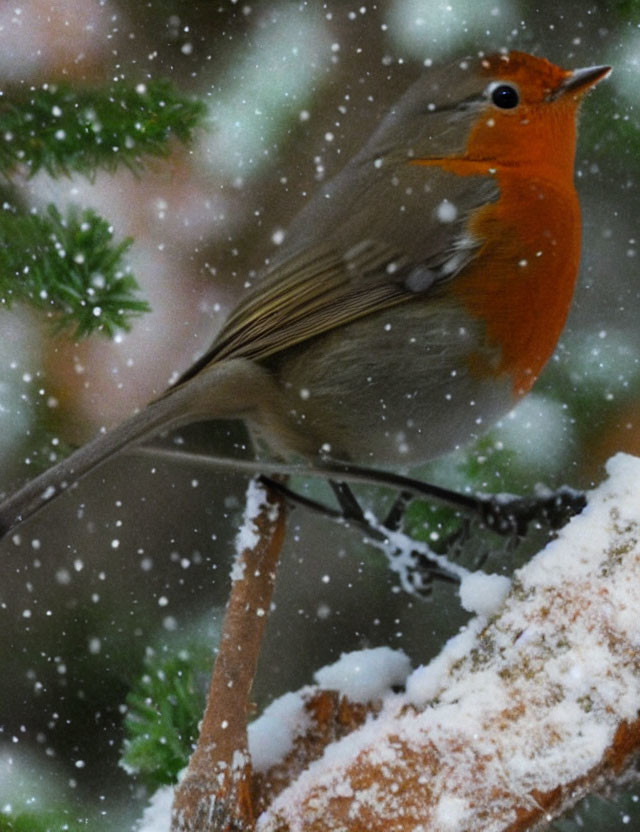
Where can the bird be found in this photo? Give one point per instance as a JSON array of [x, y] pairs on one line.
[[417, 295]]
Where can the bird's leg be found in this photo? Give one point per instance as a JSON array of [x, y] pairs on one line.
[[427, 569], [300, 500], [347, 500], [504, 514], [395, 515]]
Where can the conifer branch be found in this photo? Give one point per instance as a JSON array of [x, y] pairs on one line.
[[69, 267], [62, 129]]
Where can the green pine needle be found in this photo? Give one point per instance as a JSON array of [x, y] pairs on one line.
[[63, 129], [69, 267], [165, 707], [44, 821]]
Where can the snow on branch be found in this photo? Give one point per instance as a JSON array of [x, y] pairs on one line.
[[518, 717]]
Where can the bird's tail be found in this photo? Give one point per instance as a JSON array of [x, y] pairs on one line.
[[216, 393]]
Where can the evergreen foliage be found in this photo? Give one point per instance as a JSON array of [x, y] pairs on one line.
[[69, 267], [63, 129], [44, 821], [165, 706]]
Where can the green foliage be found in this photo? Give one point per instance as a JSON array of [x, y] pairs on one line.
[[69, 267], [611, 131], [165, 707], [625, 9], [431, 524], [64, 129], [45, 821]]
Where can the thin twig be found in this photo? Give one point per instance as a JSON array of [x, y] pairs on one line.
[[505, 514], [329, 470], [425, 565], [214, 794]]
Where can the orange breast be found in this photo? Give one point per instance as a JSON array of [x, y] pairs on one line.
[[522, 282]]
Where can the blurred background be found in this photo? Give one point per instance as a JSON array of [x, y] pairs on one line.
[[137, 557]]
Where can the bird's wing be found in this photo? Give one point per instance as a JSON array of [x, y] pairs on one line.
[[318, 291], [366, 262]]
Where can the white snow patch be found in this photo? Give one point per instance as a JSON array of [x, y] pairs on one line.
[[425, 682], [272, 735], [482, 593], [479, 592], [451, 814], [157, 815], [365, 675], [249, 536]]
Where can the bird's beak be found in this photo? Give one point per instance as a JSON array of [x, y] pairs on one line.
[[580, 80]]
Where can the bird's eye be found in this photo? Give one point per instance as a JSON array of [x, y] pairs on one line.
[[505, 96]]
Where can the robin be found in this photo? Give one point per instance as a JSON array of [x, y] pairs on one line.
[[416, 298]]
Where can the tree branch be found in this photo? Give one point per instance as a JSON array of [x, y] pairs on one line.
[[214, 794], [516, 720]]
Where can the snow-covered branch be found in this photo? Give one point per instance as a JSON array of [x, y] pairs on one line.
[[520, 715]]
